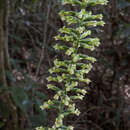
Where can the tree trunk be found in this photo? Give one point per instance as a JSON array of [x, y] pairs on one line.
[[11, 124]]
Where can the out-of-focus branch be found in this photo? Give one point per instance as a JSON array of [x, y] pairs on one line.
[[44, 39]]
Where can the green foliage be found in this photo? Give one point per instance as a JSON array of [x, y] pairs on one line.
[[123, 4], [1, 124], [20, 98], [68, 73], [24, 100]]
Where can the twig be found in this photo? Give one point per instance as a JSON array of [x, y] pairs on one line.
[[44, 40]]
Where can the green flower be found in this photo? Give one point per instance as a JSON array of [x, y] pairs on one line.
[[67, 74]]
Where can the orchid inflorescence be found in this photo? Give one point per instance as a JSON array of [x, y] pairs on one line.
[[71, 71]]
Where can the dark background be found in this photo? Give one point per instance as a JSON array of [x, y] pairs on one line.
[[32, 27]]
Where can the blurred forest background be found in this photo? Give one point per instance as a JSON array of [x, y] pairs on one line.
[[29, 27]]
